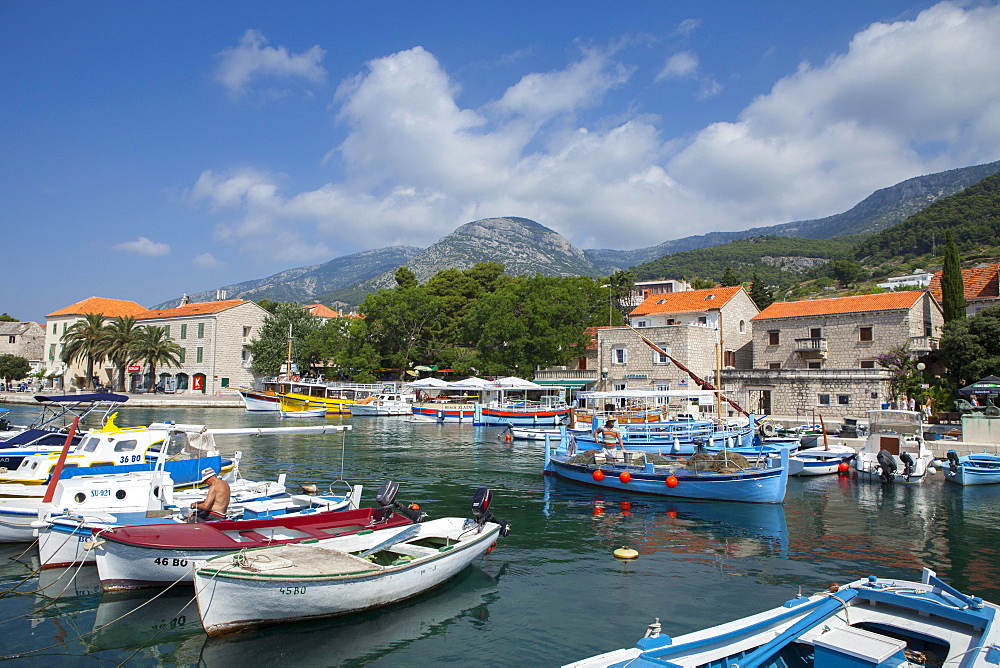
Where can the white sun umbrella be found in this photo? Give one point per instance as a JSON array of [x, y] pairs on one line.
[[514, 383], [472, 383], [429, 383]]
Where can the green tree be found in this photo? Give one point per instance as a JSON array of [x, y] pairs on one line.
[[729, 278], [400, 324], [14, 367], [538, 321], [970, 347], [83, 341], [905, 380], [761, 295], [405, 278], [6, 318], [846, 272], [270, 348], [621, 284], [118, 344], [952, 286], [701, 283], [268, 305], [155, 348]]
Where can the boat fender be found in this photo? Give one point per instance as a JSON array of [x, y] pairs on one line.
[[625, 553], [908, 464], [887, 465], [767, 429], [953, 461]]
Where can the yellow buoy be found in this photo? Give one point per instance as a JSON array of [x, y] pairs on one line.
[[626, 553]]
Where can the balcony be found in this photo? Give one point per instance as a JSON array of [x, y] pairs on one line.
[[924, 344], [575, 374], [811, 348]]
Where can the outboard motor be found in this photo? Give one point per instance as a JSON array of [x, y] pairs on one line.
[[386, 498], [952, 462], [908, 464], [887, 465], [481, 511]]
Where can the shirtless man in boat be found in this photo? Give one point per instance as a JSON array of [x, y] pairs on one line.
[[216, 503], [607, 436]]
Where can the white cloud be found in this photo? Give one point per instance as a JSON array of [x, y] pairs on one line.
[[206, 261], [687, 26], [252, 61], [906, 98], [143, 246], [679, 65]]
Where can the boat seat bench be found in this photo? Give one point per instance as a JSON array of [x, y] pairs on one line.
[[410, 550]]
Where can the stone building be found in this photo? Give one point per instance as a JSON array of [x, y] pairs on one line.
[[982, 287], [704, 329], [820, 355], [23, 339], [215, 338], [67, 376]]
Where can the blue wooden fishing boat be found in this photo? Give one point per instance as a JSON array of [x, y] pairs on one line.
[[678, 437], [981, 469], [762, 480], [871, 622]]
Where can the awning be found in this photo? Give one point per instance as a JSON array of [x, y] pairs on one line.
[[575, 383]]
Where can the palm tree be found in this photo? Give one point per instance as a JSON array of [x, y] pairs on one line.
[[84, 341], [155, 348], [119, 344]]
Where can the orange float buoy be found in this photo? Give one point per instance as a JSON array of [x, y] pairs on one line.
[[625, 477], [625, 553], [508, 438], [672, 514], [671, 481], [843, 467], [598, 475]]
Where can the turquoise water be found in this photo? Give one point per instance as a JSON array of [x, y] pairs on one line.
[[550, 593]]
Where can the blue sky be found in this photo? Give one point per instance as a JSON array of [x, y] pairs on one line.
[[150, 149]]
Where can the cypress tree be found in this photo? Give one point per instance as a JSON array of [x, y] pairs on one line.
[[760, 293], [952, 286]]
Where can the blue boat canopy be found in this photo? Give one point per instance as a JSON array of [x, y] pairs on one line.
[[83, 398]]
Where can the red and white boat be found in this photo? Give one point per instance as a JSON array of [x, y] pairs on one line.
[[134, 557]]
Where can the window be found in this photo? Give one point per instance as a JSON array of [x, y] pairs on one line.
[[246, 332], [844, 399], [708, 297], [184, 330], [166, 331], [663, 387], [201, 330], [224, 382], [661, 359], [125, 446], [815, 365], [671, 321], [619, 387], [641, 323], [773, 338], [867, 364], [245, 354], [181, 356], [824, 400], [52, 352], [619, 356], [198, 354], [11, 339], [702, 320], [743, 326], [865, 334], [815, 333], [774, 365], [729, 358]]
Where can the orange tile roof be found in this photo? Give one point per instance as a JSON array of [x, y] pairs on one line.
[[109, 308], [688, 301], [321, 311], [980, 283], [200, 308], [887, 301]]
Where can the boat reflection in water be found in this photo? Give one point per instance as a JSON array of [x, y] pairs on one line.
[[679, 526], [129, 618], [361, 638]]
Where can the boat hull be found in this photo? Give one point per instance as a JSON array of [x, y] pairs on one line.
[[818, 461], [303, 402], [502, 416], [231, 600], [442, 414], [260, 401], [981, 469]]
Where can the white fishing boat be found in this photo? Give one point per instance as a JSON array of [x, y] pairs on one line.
[[894, 450], [872, 622], [821, 460], [338, 576], [386, 403], [306, 413]]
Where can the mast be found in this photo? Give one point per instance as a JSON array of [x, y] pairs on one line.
[[288, 359]]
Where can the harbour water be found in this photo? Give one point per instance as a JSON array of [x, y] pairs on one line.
[[550, 593]]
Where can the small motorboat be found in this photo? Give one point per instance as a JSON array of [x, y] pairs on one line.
[[870, 622], [307, 413], [386, 403], [894, 450], [821, 460], [342, 575], [156, 556], [981, 469]]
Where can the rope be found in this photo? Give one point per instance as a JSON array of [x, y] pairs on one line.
[[37, 570]]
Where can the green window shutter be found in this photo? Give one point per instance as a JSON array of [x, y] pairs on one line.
[[182, 355], [198, 354], [201, 330], [184, 331], [224, 382]]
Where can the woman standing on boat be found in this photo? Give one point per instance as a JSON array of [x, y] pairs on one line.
[[607, 436]]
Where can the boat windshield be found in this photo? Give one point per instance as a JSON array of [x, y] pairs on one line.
[[900, 422]]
